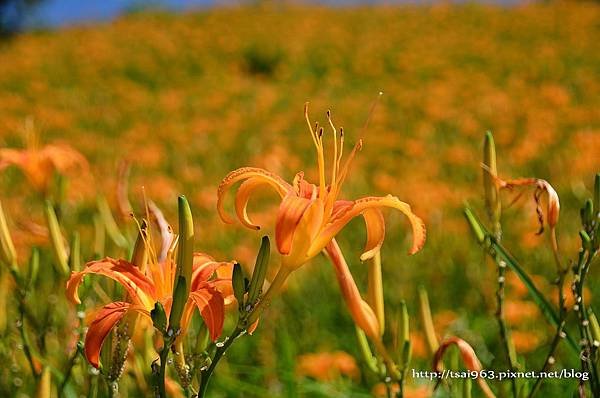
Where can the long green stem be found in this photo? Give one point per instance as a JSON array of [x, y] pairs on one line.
[[160, 382], [221, 349], [562, 312], [25, 342], [504, 331], [587, 363]]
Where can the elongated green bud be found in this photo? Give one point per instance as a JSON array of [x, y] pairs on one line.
[[594, 326], [475, 226], [466, 388], [57, 240], [427, 321], [185, 255], [586, 242], [179, 299], [44, 387], [365, 350], [491, 191], [34, 266], [75, 255], [237, 281], [8, 253], [110, 224], [260, 271], [403, 328], [159, 317], [406, 354], [375, 290], [139, 255], [587, 213]]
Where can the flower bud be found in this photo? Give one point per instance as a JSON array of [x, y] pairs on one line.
[[75, 254], [44, 387], [186, 246], [8, 253], [587, 213], [179, 299], [237, 281], [139, 256], [57, 240], [159, 317], [110, 224], [260, 271], [491, 190], [427, 321]]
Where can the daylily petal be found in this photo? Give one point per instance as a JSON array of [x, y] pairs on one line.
[[242, 197], [361, 312], [359, 207], [304, 234], [246, 173], [105, 319], [224, 286], [290, 213], [204, 267], [212, 308], [375, 224], [140, 288], [303, 188]]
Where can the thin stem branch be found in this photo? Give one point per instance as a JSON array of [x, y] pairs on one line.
[[221, 349], [160, 382], [562, 312]]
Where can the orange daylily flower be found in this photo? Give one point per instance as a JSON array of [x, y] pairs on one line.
[[154, 284], [309, 215], [38, 164]]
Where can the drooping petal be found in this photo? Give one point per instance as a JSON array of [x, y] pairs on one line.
[[290, 213], [246, 173], [468, 357], [361, 312], [359, 207], [375, 224], [105, 319], [242, 197], [210, 303], [541, 186], [140, 288]]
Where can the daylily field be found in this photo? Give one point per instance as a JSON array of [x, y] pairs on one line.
[[113, 284]]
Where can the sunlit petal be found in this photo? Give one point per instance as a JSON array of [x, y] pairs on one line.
[[242, 197], [361, 312], [246, 173], [140, 288], [105, 319], [210, 303], [359, 207], [290, 213], [375, 224]]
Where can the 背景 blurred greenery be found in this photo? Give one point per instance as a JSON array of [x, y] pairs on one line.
[[187, 98]]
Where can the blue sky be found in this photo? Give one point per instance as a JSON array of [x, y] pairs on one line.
[[65, 12]]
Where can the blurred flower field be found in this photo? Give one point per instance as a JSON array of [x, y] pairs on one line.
[[184, 99]]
